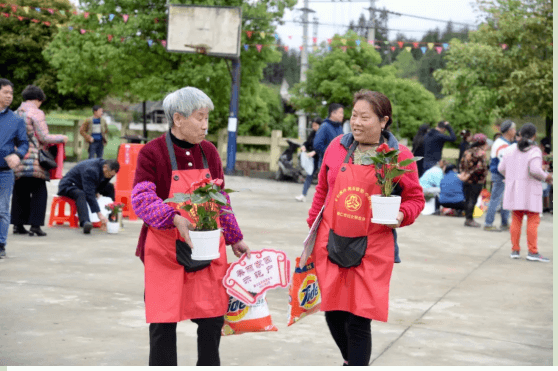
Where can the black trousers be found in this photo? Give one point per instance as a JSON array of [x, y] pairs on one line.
[[29, 202], [78, 196], [454, 205], [472, 192], [353, 336], [162, 342]]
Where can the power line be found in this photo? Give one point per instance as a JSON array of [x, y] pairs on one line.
[[356, 25], [394, 13]]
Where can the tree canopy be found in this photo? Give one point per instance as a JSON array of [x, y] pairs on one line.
[[25, 33], [506, 68], [124, 58], [334, 77]]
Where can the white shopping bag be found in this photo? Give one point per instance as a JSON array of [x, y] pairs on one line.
[[307, 163], [102, 201]]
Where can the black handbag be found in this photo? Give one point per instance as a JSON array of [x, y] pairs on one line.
[[46, 160], [184, 258]]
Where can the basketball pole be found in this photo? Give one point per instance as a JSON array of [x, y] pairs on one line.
[[233, 117]]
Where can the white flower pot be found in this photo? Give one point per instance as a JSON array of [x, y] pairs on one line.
[[206, 244], [113, 227], [385, 209]]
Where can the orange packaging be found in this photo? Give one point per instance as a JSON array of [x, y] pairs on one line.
[[304, 293], [241, 318]]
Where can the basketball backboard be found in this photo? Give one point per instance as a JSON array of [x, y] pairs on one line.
[[204, 29]]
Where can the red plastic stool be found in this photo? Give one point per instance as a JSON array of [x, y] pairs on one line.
[[58, 212]]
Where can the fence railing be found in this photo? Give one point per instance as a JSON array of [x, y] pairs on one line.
[[76, 145]]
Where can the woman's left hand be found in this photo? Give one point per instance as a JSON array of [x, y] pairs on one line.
[[400, 217], [240, 248]]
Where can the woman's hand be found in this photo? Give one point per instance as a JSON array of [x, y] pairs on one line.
[[400, 217], [549, 179], [184, 227], [311, 154], [12, 160], [240, 248], [463, 176], [303, 148], [65, 139]]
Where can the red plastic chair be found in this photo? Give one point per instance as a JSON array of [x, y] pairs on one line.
[[58, 212]]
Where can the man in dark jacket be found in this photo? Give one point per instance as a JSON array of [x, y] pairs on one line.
[[308, 150], [13, 147], [330, 128], [434, 144], [84, 182]]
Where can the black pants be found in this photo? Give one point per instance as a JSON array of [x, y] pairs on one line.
[[454, 205], [353, 336], [78, 196], [29, 202], [472, 192], [162, 342]]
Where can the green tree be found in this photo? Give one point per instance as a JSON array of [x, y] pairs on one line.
[[22, 43], [139, 68], [288, 68], [334, 77], [506, 69], [406, 65]]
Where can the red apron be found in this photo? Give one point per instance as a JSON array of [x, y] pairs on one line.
[[362, 290], [171, 293]]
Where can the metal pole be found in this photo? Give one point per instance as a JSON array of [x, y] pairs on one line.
[[372, 26], [233, 117], [303, 68], [144, 122]]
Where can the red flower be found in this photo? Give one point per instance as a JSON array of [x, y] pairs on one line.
[[200, 183], [384, 148], [217, 182]]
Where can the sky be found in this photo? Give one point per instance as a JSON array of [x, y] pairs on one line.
[[343, 12]]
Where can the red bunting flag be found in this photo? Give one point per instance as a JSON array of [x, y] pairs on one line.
[[290, 37], [314, 40], [3, 5], [439, 49], [393, 48], [400, 43], [7, 15], [82, 31], [47, 23], [249, 34], [35, 20], [20, 18], [300, 47], [125, 16], [51, 11], [86, 15], [286, 48], [344, 48], [109, 38], [14, 8], [504, 46], [329, 41], [164, 43], [74, 12], [259, 47], [371, 42], [415, 45], [156, 20]]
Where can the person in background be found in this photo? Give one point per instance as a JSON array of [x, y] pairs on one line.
[[355, 285], [95, 131], [466, 138], [418, 146], [497, 191], [82, 184], [13, 146], [451, 190], [330, 128], [546, 149], [29, 199], [474, 170], [308, 150], [434, 143], [522, 167], [430, 182]]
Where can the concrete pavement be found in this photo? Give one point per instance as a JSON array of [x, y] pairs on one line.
[[456, 299]]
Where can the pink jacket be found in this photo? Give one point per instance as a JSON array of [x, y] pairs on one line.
[[524, 176]]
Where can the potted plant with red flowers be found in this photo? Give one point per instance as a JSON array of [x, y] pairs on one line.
[[115, 213], [385, 206], [204, 205]]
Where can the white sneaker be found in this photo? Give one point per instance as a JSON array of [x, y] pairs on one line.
[[301, 198]]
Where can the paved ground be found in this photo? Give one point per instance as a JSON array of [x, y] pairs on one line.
[[456, 299]]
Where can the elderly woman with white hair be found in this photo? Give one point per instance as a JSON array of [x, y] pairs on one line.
[[167, 165]]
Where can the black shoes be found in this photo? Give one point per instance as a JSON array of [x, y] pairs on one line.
[[87, 226], [2, 250], [36, 230], [20, 229]]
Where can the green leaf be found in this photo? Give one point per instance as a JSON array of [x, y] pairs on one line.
[[218, 197], [179, 198], [228, 191], [409, 161]]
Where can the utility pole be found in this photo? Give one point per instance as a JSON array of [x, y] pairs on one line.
[[315, 36], [372, 24], [303, 67]]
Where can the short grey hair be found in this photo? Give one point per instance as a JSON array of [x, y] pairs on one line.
[[185, 101]]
